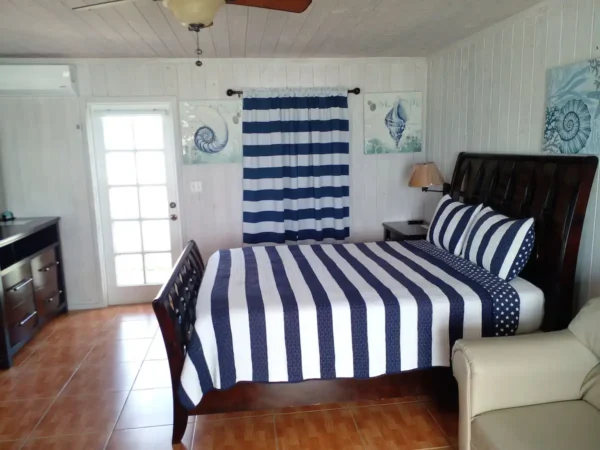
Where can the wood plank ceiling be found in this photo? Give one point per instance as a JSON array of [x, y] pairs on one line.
[[329, 28]]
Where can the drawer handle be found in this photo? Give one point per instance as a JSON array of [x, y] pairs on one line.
[[28, 318], [51, 299], [48, 267], [21, 285]]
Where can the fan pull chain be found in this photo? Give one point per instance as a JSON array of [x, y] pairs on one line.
[[196, 28]]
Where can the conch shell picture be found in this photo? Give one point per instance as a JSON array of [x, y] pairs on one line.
[[393, 123]]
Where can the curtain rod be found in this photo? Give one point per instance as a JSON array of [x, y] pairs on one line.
[[231, 92]]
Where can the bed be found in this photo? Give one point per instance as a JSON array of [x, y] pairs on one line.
[[266, 327]]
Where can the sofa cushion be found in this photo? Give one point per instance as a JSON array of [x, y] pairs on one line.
[[552, 426], [590, 391], [586, 326]]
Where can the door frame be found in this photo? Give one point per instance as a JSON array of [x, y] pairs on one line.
[[129, 104]]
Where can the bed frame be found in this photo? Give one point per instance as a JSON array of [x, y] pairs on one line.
[[552, 189]]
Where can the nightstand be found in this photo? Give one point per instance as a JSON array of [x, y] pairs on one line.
[[403, 231]]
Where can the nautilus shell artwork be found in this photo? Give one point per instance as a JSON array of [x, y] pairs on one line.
[[395, 121], [213, 135], [573, 125], [573, 109], [211, 131]]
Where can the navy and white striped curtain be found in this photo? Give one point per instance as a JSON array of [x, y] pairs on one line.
[[296, 153]]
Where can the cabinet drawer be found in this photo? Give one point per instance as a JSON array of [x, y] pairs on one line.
[[44, 269], [18, 294], [47, 300], [24, 328]]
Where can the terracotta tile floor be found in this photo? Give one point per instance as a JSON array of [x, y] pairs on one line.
[[100, 380]]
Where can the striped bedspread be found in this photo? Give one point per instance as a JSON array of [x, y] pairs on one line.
[[294, 313]]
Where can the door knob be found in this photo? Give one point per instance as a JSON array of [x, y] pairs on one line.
[[173, 216]]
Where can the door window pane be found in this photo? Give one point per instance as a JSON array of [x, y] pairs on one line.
[[127, 237], [148, 132], [120, 168], [153, 202], [158, 267], [157, 235], [130, 270], [151, 168], [123, 203], [118, 132]]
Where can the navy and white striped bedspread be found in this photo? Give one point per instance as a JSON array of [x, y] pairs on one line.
[[294, 313]]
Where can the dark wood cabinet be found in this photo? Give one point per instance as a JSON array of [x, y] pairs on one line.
[[33, 290]]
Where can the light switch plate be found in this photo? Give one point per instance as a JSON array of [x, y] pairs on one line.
[[196, 186]]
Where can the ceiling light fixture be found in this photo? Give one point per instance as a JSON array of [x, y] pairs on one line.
[[200, 14], [196, 14]]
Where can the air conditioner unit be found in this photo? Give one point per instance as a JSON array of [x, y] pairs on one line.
[[32, 79]]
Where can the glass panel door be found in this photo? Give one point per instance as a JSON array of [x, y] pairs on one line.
[[136, 187]]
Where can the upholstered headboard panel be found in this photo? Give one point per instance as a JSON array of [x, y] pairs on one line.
[[554, 190]]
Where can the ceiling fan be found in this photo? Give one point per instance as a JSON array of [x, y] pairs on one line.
[[199, 14]]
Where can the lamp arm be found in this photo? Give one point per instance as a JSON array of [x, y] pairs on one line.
[[445, 189]]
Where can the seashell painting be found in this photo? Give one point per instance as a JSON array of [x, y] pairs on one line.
[[393, 123], [211, 132], [573, 109]]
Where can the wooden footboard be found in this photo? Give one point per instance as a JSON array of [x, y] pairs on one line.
[[175, 309]]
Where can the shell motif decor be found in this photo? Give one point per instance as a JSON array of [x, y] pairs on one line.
[[574, 126], [395, 121], [212, 137]]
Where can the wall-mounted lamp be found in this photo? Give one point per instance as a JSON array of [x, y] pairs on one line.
[[425, 175]]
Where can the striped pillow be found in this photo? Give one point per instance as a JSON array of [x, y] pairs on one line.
[[499, 244], [450, 223]]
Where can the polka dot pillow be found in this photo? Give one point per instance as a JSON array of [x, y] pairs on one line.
[[499, 244]]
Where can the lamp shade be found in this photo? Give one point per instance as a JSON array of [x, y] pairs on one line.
[[200, 12], [425, 175]]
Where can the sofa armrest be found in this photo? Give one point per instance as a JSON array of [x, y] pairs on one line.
[[521, 370], [499, 373]]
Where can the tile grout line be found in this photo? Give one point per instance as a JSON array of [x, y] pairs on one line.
[[360, 436], [55, 398], [62, 389], [439, 426], [129, 394], [344, 406], [275, 431]]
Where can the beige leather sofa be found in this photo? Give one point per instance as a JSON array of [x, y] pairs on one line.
[[538, 391]]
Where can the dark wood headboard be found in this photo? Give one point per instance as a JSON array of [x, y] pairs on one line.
[[554, 190]]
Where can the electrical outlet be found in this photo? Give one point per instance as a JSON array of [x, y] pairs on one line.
[[196, 186]]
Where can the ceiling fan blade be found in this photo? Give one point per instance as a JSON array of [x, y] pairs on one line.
[[104, 4], [295, 6]]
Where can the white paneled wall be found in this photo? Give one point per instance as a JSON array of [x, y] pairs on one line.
[[45, 162], [487, 94], [45, 173]]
